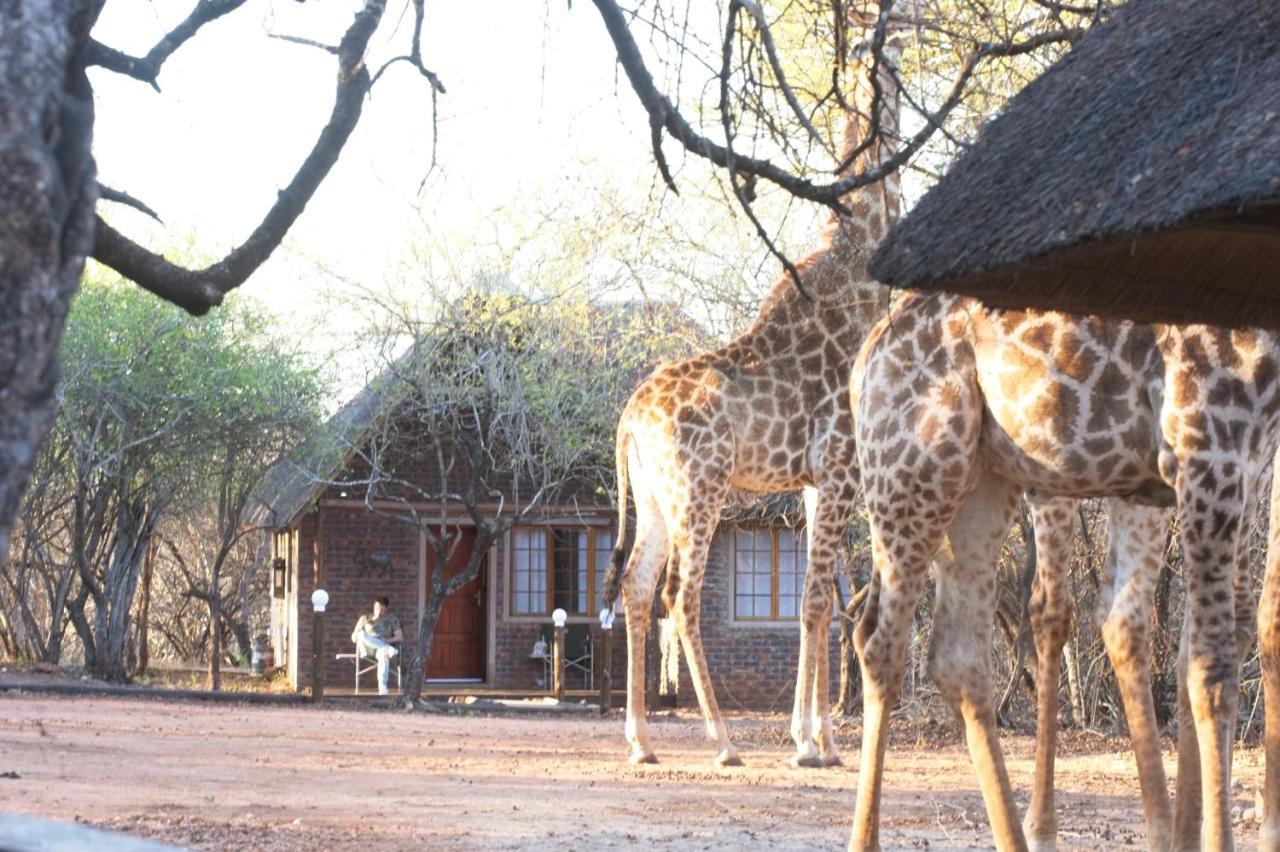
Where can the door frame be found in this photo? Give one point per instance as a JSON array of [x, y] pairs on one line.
[[490, 633]]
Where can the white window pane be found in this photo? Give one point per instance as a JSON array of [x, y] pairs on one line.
[[763, 610], [786, 606], [744, 606]]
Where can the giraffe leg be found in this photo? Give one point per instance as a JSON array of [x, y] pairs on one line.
[[1269, 645], [1188, 798], [638, 583], [960, 646], [1051, 612], [811, 717], [1134, 555], [881, 640], [691, 547], [822, 701], [1211, 525]]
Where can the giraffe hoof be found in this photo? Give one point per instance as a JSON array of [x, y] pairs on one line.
[[728, 757], [832, 760], [637, 757], [805, 761]]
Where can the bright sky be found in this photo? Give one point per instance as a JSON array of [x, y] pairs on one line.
[[531, 95]]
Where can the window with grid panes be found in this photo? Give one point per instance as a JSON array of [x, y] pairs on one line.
[[769, 567], [558, 567]]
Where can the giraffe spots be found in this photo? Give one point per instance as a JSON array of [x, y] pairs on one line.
[[1098, 445], [1075, 358], [1228, 391], [1038, 336], [1265, 375]]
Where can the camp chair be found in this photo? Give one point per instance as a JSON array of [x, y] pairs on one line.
[[579, 653], [365, 663]]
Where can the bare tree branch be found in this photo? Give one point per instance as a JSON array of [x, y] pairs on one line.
[[199, 290], [147, 68], [106, 193], [661, 110]]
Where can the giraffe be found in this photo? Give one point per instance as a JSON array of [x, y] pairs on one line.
[[766, 413], [958, 408]]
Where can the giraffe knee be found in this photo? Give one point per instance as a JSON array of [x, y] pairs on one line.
[[1125, 636]]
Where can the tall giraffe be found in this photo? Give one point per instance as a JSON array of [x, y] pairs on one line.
[[959, 408], [766, 413]]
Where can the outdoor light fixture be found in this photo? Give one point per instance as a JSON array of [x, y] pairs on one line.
[[606, 619], [277, 577], [319, 600], [559, 617]]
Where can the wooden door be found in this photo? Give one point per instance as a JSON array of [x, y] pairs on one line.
[[458, 652]]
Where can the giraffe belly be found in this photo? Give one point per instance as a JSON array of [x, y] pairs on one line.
[[1048, 467]]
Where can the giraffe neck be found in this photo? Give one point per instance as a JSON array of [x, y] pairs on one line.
[[868, 146], [846, 301]]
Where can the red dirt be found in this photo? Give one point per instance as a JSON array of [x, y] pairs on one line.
[[217, 776]]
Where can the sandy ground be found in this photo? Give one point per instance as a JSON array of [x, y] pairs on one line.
[[218, 776]]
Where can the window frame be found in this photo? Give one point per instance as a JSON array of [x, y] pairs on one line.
[[593, 581], [775, 573]]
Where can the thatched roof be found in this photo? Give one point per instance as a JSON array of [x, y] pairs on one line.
[[293, 484], [1139, 177]]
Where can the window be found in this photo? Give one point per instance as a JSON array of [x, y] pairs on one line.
[[768, 573], [557, 567]]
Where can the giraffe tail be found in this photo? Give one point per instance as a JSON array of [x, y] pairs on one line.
[[613, 579]]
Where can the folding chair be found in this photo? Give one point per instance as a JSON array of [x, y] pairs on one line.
[[366, 663], [579, 653]]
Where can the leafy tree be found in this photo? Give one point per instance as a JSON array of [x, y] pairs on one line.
[[157, 412]]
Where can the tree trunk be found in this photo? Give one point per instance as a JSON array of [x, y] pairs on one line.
[[144, 609], [215, 631], [215, 646], [1073, 683], [422, 652], [48, 189], [75, 610], [134, 523], [847, 703]]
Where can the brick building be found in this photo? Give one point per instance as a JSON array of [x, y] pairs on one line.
[[327, 536]]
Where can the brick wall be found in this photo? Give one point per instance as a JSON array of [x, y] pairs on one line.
[[346, 534], [752, 665]]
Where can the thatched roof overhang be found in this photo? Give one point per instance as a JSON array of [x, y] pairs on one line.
[[1137, 177]]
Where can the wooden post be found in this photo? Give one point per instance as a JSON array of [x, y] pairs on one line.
[[317, 655], [606, 669], [557, 663]]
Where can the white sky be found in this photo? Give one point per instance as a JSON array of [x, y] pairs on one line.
[[531, 95]]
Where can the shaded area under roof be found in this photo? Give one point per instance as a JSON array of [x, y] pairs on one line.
[[1137, 177]]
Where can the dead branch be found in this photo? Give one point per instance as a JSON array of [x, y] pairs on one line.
[[663, 112], [147, 68], [199, 290], [106, 193]]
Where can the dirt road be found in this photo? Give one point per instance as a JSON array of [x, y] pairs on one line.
[[217, 776]]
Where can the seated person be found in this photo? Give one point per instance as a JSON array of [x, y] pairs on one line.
[[378, 637]]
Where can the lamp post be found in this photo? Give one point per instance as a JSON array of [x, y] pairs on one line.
[[319, 600], [606, 665], [558, 618]]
